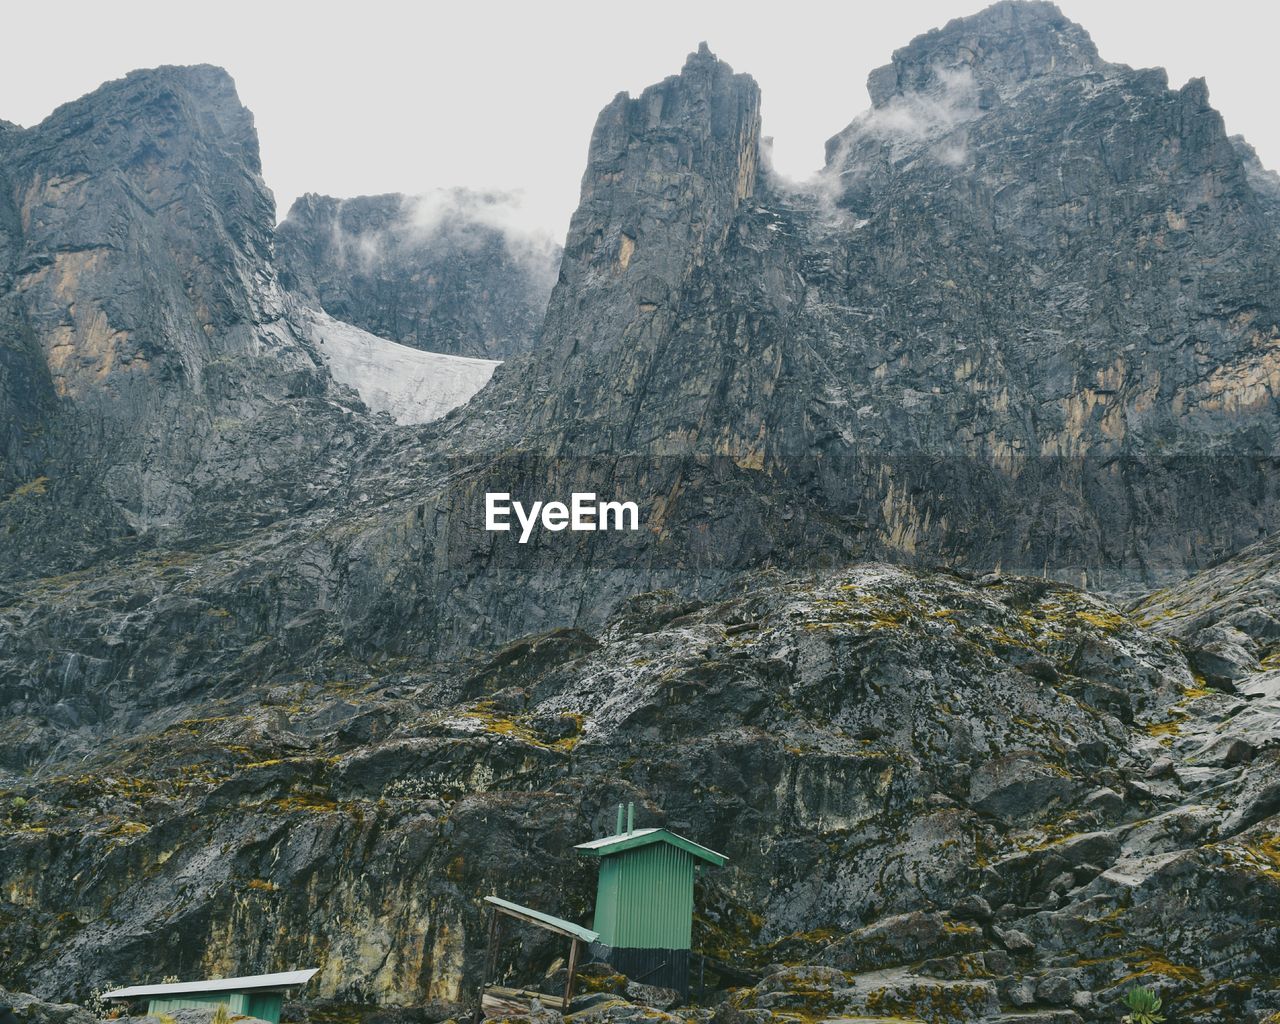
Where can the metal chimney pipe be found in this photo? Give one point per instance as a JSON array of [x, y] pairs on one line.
[[618, 831], [631, 818]]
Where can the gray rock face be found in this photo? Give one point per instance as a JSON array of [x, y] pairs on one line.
[[792, 375], [27, 1009], [1234, 606], [1025, 317], [977, 335], [1004, 47], [447, 272], [150, 377], [823, 731]]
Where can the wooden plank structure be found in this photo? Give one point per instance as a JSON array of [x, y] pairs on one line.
[[498, 1001]]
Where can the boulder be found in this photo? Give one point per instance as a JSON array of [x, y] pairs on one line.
[[902, 939], [1019, 786], [22, 1008]]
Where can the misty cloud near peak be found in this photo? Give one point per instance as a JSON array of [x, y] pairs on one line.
[[929, 122], [453, 218], [457, 271]]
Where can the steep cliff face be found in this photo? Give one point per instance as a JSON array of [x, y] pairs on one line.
[[182, 184], [1024, 318], [26, 391], [667, 173], [1027, 281], [1143, 320], [447, 272], [159, 387], [149, 341]]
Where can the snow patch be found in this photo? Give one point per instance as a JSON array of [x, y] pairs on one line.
[[410, 385]]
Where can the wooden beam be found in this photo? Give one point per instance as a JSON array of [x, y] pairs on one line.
[[491, 957], [503, 992], [570, 974]]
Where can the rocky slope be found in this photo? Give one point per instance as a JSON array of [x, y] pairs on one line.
[[447, 272], [948, 797], [1024, 319]]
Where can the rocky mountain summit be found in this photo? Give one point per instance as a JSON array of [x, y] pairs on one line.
[[270, 693], [147, 359], [999, 294], [447, 272], [158, 384]]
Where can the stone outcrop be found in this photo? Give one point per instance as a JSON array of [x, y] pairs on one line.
[[446, 272], [22, 1008], [839, 737]]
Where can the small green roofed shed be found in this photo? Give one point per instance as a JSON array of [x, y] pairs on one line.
[[258, 995], [644, 900]]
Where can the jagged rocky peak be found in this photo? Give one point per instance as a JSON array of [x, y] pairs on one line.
[[179, 129], [1264, 182], [145, 195], [454, 270], [1040, 262], [688, 144], [666, 172], [999, 47], [144, 329], [1025, 58]]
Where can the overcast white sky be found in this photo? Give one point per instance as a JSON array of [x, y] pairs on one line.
[[372, 96]]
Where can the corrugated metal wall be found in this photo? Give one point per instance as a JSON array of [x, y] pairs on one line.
[[644, 899], [237, 1002], [668, 968], [265, 1005]]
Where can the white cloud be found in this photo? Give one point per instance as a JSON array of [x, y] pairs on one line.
[[458, 218], [928, 122]]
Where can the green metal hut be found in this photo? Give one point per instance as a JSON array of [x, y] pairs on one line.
[[644, 901], [260, 995]]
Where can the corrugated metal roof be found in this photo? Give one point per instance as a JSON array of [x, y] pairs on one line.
[[643, 837], [285, 979], [554, 923]]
